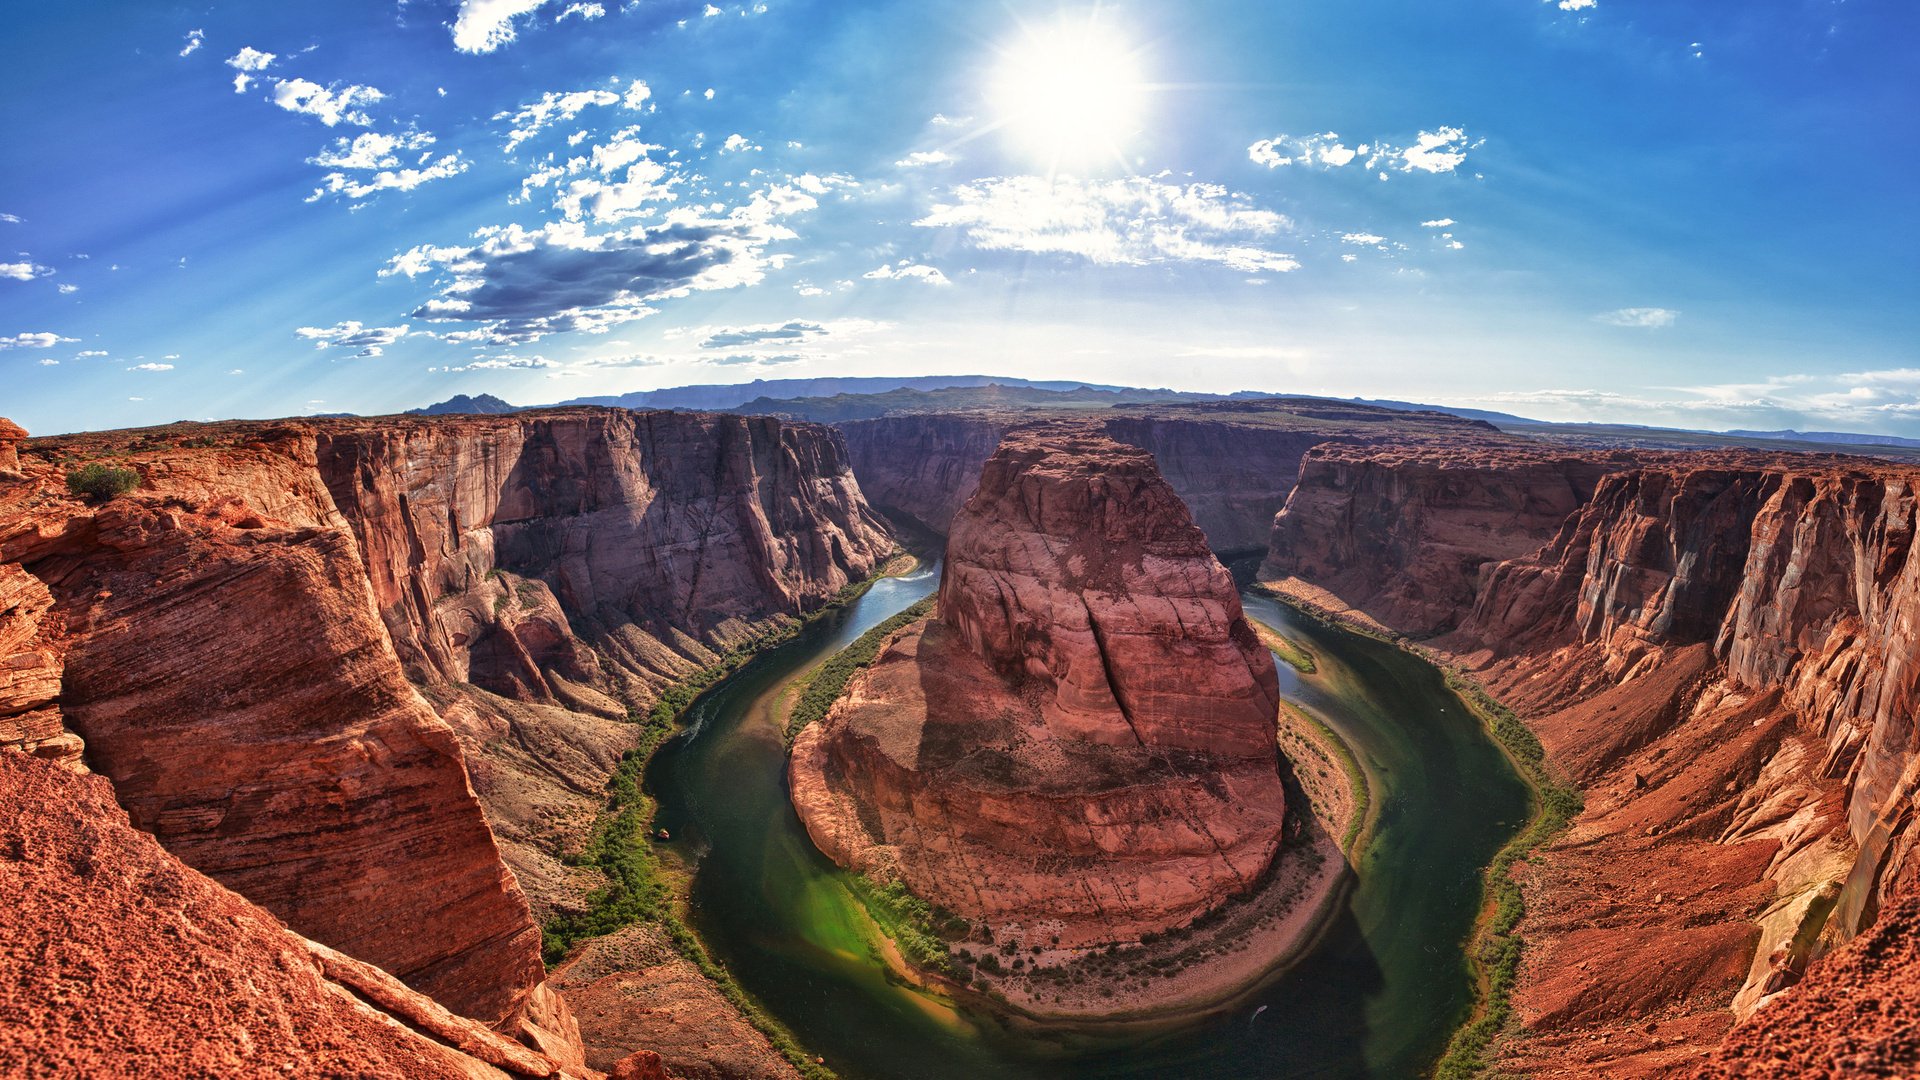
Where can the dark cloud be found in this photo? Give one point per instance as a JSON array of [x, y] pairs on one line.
[[737, 336], [547, 287]]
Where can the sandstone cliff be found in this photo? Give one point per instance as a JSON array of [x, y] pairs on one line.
[[1717, 647], [1083, 738], [1233, 462], [543, 573], [120, 960], [244, 642]]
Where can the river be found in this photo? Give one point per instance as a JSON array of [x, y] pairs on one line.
[[1376, 997]]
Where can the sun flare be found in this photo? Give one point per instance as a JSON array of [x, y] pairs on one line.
[[1070, 93]]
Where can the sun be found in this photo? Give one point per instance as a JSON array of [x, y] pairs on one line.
[[1070, 93]]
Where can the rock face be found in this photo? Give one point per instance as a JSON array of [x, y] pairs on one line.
[[1084, 736], [218, 648], [544, 572], [120, 960], [1232, 463], [244, 642], [10, 436], [1718, 647]]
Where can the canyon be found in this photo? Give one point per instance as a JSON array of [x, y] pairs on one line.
[[373, 675], [346, 694], [1078, 749]]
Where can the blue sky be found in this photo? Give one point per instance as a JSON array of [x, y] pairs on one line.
[[1700, 214]]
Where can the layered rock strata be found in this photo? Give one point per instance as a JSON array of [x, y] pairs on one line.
[[1233, 463], [1719, 648], [120, 960], [245, 639], [1082, 740]]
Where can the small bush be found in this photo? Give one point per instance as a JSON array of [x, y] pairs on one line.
[[97, 481]]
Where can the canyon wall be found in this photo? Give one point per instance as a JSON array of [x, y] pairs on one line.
[[1233, 463], [1717, 647], [121, 960], [290, 646], [544, 572], [1083, 738]]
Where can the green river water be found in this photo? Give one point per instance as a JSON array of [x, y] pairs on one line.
[[1377, 996]]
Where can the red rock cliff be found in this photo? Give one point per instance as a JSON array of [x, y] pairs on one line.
[[1084, 737], [1232, 462], [543, 572], [120, 960], [218, 649], [1718, 647]]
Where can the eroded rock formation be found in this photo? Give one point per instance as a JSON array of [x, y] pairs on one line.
[[120, 960], [1233, 462], [1719, 648], [244, 642], [1083, 738]]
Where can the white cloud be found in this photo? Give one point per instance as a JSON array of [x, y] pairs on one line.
[[250, 59], [368, 340], [908, 272], [484, 25], [389, 179], [922, 158], [1281, 353], [68, 290], [23, 271], [1438, 151], [373, 150], [554, 108], [151, 367], [501, 363], [34, 341], [11, 219], [1437, 223], [91, 352], [49, 362], [1650, 318], [1131, 222], [710, 11], [328, 104], [736, 143], [195, 38], [1577, 5], [1362, 239], [587, 12]]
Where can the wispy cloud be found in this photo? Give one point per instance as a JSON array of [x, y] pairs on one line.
[[195, 38], [23, 271], [908, 271], [1441, 150], [34, 341], [1137, 221], [1644, 318], [367, 340]]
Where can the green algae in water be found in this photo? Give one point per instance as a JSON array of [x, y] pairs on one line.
[[1377, 997]]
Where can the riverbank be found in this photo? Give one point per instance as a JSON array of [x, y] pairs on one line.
[[1170, 978], [646, 889], [1497, 946]]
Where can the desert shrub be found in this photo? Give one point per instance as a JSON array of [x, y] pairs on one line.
[[97, 481]]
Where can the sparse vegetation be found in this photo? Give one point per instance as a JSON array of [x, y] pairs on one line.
[[829, 680], [101, 482]]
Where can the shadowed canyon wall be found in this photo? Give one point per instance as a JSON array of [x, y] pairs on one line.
[[1719, 648], [1232, 463]]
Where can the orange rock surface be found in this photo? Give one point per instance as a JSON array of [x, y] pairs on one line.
[[1083, 739], [1718, 647], [119, 960]]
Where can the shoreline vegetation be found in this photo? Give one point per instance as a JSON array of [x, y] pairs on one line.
[[639, 888], [1188, 972], [1497, 946]]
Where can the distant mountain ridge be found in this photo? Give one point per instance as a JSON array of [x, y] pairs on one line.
[[480, 404]]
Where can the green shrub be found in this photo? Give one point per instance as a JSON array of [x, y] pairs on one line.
[[102, 482], [829, 681]]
